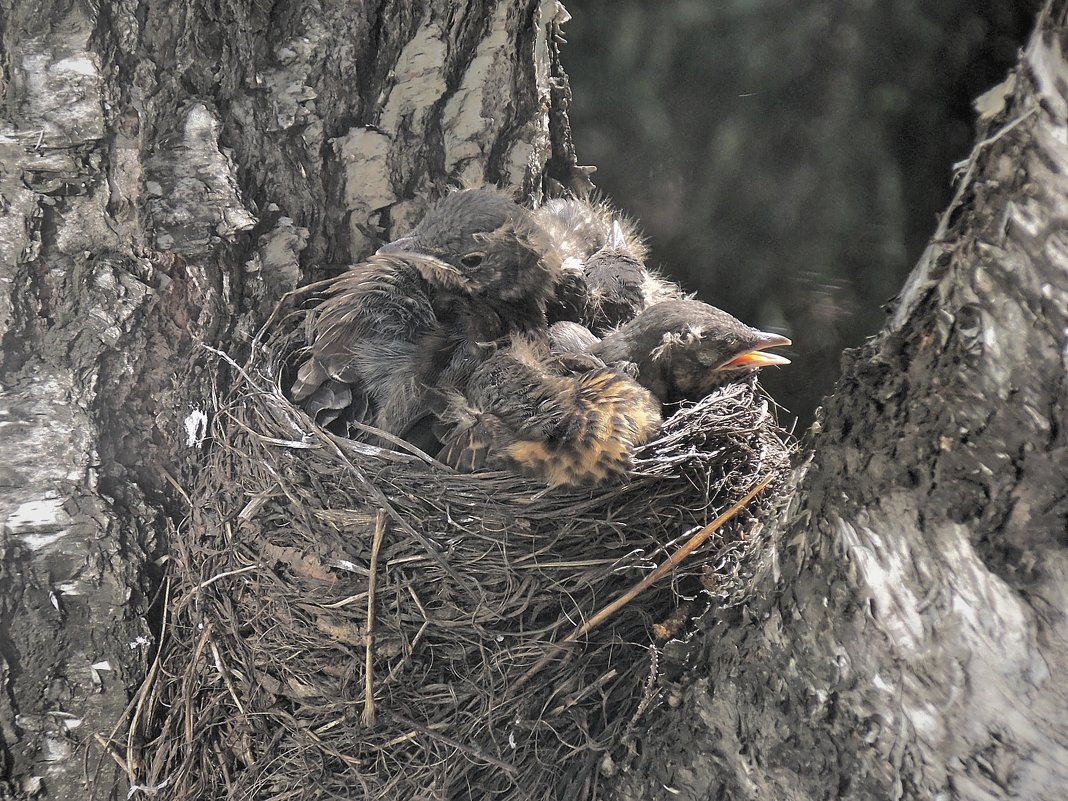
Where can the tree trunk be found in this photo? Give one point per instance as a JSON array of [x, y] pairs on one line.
[[913, 642], [169, 171]]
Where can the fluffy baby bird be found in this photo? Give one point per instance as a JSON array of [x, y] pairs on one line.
[[476, 268], [479, 245], [683, 349], [604, 282], [520, 414]]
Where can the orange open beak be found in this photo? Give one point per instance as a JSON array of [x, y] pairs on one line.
[[757, 358]]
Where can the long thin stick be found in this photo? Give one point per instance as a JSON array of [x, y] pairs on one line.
[[368, 675], [661, 570]]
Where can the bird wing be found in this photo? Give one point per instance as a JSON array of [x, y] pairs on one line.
[[471, 440], [376, 332], [597, 421]]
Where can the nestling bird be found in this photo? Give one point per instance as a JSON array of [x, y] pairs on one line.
[[375, 341], [683, 349], [518, 414], [605, 282], [482, 246], [579, 228], [571, 339], [476, 268], [616, 284]]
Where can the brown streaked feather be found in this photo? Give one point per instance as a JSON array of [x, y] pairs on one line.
[[565, 430]]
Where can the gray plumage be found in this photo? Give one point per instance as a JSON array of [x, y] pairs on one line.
[[605, 281], [421, 312], [683, 349]]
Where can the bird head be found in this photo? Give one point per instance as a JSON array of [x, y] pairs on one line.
[[615, 249], [582, 226], [615, 277], [480, 242], [685, 348]]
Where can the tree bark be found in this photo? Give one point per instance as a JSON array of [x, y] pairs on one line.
[[912, 643], [168, 172]]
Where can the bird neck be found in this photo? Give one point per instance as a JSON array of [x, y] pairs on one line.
[[659, 377], [505, 317]]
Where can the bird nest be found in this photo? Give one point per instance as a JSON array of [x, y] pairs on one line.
[[351, 621]]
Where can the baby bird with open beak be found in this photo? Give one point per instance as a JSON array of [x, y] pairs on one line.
[[683, 349]]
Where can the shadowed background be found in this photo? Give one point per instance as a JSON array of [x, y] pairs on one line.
[[786, 159]]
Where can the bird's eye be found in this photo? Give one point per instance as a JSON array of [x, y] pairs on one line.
[[471, 260]]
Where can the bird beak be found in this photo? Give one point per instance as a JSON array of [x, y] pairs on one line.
[[756, 358], [406, 244]]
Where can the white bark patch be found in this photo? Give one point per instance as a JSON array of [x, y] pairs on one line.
[[86, 225], [406, 215], [527, 156], [1029, 219], [548, 12], [371, 157], [39, 436], [58, 101], [916, 284], [32, 785], [34, 517], [365, 158], [883, 564], [1048, 68], [200, 202], [62, 95], [119, 296], [524, 157], [419, 81], [474, 114], [365, 155], [1056, 252], [56, 749], [14, 225], [292, 100], [277, 256], [969, 650], [68, 721], [196, 427], [38, 542]]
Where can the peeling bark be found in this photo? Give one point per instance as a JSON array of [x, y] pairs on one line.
[[70, 588]]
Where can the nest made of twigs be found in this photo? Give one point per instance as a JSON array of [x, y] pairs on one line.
[[347, 621]]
